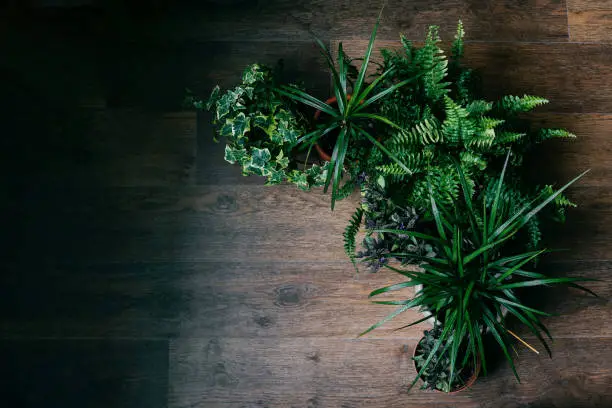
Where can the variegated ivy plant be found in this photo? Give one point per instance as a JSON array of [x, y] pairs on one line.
[[261, 127]]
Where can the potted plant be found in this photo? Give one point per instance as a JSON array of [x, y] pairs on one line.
[[475, 275], [439, 120], [437, 374], [261, 128]]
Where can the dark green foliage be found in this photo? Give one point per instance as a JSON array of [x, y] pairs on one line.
[[443, 120], [472, 278], [375, 251], [261, 128], [437, 374], [350, 234], [352, 116]]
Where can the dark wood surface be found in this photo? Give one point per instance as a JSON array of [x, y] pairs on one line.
[[140, 269]]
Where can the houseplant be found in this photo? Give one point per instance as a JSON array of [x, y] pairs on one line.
[[441, 119], [261, 127], [475, 274]]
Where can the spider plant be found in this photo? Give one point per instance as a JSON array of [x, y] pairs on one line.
[[470, 281], [350, 117]]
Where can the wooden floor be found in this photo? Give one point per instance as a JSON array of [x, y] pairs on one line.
[[140, 270]]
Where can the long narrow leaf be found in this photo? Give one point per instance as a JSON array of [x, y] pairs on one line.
[[384, 149], [306, 99], [398, 311], [366, 62]]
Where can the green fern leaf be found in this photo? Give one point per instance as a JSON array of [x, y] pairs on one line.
[[457, 47], [545, 134], [350, 234], [457, 127], [479, 107], [515, 104], [508, 137]]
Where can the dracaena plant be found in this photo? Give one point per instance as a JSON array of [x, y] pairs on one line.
[[353, 114], [473, 278]]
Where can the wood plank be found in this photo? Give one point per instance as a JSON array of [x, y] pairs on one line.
[[155, 75], [201, 224], [250, 222], [510, 20], [273, 300], [558, 161], [321, 372], [574, 77], [185, 299], [79, 373], [589, 21]]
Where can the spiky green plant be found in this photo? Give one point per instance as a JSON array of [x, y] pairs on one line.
[[353, 112], [472, 278]]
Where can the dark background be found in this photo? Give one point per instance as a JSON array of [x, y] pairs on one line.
[[140, 270]]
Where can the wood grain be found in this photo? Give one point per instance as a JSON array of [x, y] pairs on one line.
[[589, 21], [273, 300], [509, 20], [321, 372], [187, 299], [242, 222], [574, 77]]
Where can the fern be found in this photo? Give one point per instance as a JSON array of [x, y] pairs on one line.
[[545, 134], [425, 132], [432, 61], [516, 104], [350, 234], [479, 107], [509, 137], [473, 159], [457, 47], [456, 127]]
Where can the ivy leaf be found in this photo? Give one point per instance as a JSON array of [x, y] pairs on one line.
[[275, 177], [259, 161], [252, 74], [236, 128], [234, 155], [300, 179], [230, 101], [282, 161], [214, 96], [265, 123], [285, 133]]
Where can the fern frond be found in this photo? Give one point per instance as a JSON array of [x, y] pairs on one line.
[[425, 132], [561, 200], [407, 45], [479, 107], [469, 158], [457, 47], [508, 137], [394, 171], [457, 127], [515, 104], [431, 59], [545, 134], [350, 234]]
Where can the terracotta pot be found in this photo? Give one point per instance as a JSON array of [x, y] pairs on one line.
[[470, 381]]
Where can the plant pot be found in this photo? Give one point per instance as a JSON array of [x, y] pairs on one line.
[[326, 156], [468, 382]]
